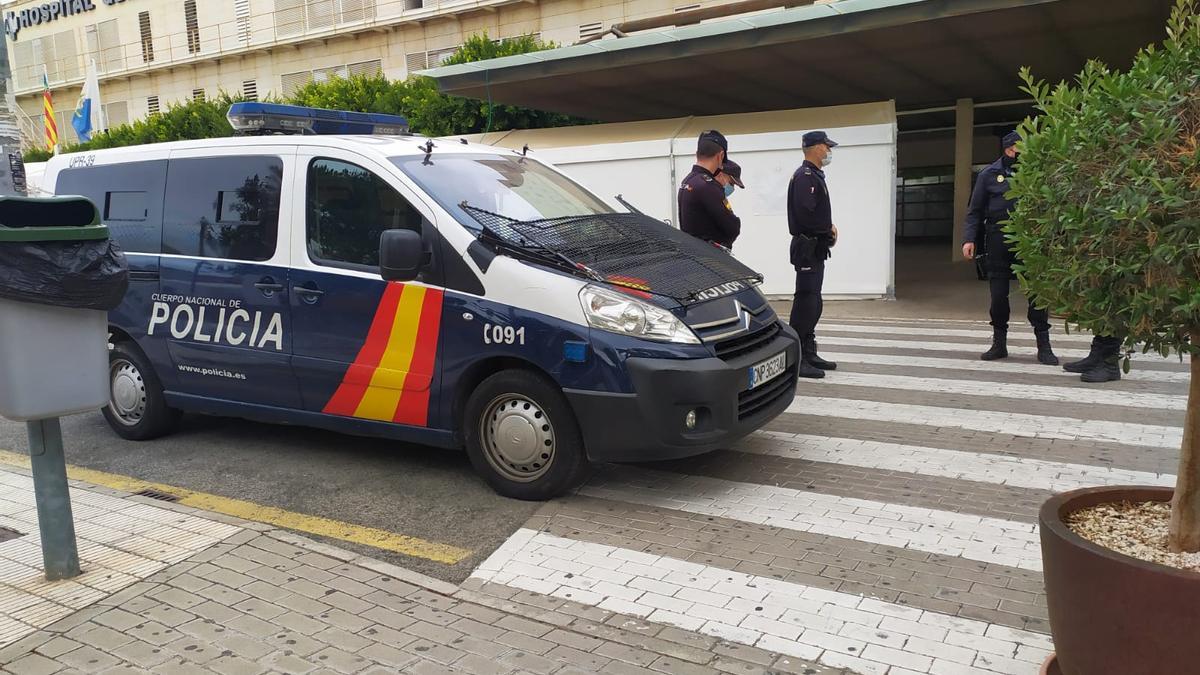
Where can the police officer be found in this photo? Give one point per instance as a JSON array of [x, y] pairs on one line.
[[704, 210], [988, 211], [1100, 365], [810, 222]]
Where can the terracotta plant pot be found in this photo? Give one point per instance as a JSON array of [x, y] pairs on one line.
[[1050, 666], [1111, 614]]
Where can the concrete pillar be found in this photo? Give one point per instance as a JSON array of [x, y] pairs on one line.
[[964, 151]]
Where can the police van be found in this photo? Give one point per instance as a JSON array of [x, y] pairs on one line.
[[328, 269]]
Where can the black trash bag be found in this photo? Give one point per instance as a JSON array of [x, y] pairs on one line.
[[75, 274]]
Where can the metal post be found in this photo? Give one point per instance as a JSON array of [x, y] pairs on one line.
[[12, 169], [59, 552], [60, 555]]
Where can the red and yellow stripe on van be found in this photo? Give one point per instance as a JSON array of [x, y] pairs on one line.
[[390, 379]]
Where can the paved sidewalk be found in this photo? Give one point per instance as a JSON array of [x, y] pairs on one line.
[[258, 600]]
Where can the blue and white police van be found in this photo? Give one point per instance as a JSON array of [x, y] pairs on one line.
[[328, 269]]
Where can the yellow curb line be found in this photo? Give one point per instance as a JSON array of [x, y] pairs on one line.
[[324, 527]]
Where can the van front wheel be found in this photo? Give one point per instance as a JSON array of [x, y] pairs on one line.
[[522, 436]]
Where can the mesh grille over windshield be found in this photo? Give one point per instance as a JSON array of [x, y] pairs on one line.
[[625, 249]]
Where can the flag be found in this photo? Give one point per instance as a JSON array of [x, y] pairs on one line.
[[88, 119], [48, 115]]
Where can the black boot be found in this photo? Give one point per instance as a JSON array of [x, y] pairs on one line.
[[1106, 370], [806, 369], [999, 348], [1045, 355], [1094, 358], [809, 349]]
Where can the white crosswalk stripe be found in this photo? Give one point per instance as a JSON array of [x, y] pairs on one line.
[[1018, 424], [837, 629], [991, 367], [916, 576], [937, 333], [991, 540], [1035, 474], [1065, 353], [1094, 395]]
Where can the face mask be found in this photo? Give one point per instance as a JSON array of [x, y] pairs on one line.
[[827, 159], [728, 190]]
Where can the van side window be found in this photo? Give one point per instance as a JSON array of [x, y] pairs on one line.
[[348, 208], [223, 207], [129, 197]]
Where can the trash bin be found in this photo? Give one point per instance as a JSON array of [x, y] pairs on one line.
[[59, 276]]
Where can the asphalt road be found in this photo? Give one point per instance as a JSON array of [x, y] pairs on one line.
[[412, 490]]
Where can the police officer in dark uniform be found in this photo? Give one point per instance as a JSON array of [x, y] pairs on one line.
[[704, 210], [987, 214], [1101, 363], [810, 221]]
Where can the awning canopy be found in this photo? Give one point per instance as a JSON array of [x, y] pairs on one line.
[[921, 53]]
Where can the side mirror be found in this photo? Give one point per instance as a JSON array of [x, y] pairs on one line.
[[401, 255]]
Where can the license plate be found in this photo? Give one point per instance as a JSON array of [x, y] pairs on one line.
[[761, 373]]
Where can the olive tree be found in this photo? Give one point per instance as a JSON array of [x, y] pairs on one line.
[[1107, 221]]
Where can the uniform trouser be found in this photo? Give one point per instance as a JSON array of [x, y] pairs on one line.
[[1000, 262], [1107, 345], [807, 304]]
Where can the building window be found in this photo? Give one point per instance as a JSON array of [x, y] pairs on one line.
[[416, 61], [241, 11], [289, 18], [66, 54], [413, 4], [197, 94], [292, 82], [192, 23], [223, 207], [104, 45], [147, 38], [114, 114], [56, 56], [588, 30], [152, 107], [357, 10], [250, 90], [365, 68]]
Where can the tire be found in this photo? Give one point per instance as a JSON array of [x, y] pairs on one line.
[[546, 456], [136, 409]]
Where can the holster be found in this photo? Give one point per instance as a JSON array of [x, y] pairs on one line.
[[807, 251]]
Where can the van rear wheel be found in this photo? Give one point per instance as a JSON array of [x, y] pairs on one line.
[[136, 408], [522, 436]]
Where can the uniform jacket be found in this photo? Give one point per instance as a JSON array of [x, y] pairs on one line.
[[704, 212], [990, 204], [810, 215]]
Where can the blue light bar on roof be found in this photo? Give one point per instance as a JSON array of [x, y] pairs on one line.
[[274, 118]]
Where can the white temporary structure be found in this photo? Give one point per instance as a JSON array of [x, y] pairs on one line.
[[644, 162]]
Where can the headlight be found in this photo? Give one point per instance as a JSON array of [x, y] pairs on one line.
[[618, 313]]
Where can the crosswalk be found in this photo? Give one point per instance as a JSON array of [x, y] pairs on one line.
[[884, 524]]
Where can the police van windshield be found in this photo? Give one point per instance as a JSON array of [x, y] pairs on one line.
[[508, 186]]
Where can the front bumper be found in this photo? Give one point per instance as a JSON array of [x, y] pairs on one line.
[[649, 425]]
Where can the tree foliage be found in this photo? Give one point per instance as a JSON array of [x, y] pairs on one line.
[[1107, 220]]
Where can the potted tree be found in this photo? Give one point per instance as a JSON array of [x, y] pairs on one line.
[[1107, 224]]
